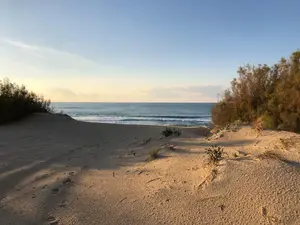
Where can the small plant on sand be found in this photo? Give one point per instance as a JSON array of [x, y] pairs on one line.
[[153, 154], [146, 141], [215, 154], [177, 132], [235, 155], [171, 131], [167, 132]]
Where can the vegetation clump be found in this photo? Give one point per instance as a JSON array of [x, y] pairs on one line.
[[257, 125], [271, 93], [215, 154], [16, 102], [153, 154], [171, 131]]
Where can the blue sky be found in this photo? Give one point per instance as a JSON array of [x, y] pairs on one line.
[[141, 50]]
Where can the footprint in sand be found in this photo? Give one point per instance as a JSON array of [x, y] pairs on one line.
[[55, 190], [222, 207], [67, 181], [264, 211], [63, 204], [52, 220], [269, 218], [72, 173]]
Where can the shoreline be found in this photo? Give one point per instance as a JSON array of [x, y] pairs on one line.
[[144, 114], [151, 125]]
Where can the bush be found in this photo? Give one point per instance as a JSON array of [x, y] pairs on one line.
[[16, 102], [268, 92], [257, 125], [224, 113], [171, 131], [153, 154], [268, 122], [215, 154]]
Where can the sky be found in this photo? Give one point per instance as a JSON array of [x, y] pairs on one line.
[[141, 50]]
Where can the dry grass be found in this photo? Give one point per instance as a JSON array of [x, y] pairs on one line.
[[171, 131], [146, 141], [235, 155], [153, 154], [215, 154], [257, 125]]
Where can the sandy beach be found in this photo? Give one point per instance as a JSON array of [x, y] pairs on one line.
[[56, 170]]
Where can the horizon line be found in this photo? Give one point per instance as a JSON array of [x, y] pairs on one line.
[[133, 102]]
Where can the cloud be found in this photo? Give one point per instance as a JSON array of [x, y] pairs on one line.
[[24, 59], [64, 94], [46, 50], [65, 76], [20, 44], [162, 94], [188, 93]]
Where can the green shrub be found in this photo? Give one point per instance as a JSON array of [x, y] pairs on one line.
[[153, 154], [16, 102], [268, 122], [268, 92], [224, 113], [171, 131], [215, 154]]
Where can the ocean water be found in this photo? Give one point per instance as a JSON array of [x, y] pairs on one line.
[[180, 114]]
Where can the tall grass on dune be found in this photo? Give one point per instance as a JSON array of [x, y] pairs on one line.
[[270, 94], [16, 102]]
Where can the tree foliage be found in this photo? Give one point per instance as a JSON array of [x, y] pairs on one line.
[[268, 92], [17, 102]]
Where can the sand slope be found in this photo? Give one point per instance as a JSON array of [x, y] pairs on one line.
[[55, 170]]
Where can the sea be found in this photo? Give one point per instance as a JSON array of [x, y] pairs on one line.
[[174, 114]]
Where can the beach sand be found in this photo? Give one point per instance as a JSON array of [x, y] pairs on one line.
[[55, 170]]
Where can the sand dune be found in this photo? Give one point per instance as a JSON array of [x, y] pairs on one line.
[[55, 170]]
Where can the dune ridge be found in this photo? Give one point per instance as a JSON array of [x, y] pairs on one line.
[[56, 170]]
